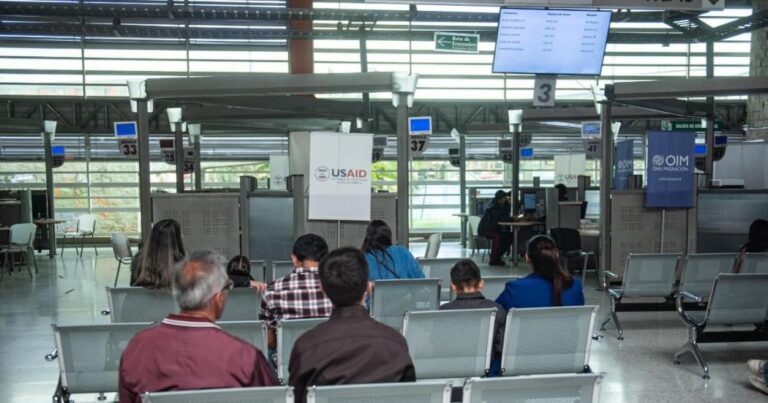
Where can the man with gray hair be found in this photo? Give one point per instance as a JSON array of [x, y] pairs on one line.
[[188, 350]]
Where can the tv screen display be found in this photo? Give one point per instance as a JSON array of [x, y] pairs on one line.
[[566, 42], [529, 201]]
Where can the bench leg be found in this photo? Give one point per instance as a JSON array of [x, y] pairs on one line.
[[692, 347], [615, 318], [119, 263]]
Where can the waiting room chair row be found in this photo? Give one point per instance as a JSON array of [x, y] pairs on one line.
[[443, 345], [583, 388], [664, 275]]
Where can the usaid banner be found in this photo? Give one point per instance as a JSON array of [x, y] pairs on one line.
[[670, 165], [568, 167], [340, 176], [623, 164]]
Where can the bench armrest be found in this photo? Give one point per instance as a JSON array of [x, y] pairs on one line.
[[610, 274], [688, 295], [52, 355]]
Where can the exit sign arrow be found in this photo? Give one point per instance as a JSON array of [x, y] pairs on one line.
[[456, 43]]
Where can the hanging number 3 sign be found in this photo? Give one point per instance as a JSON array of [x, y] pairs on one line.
[[544, 90], [419, 144]]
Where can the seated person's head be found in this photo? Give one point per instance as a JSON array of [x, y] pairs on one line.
[[562, 192], [542, 254], [544, 258], [378, 236], [201, 285], [164, 249], [309, 250], [239, 265], [465, 277], [757, 240], [344, 277], [501, 197]]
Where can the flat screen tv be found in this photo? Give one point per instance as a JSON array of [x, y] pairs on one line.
[[563, 42]]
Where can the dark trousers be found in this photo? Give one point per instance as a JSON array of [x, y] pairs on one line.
[[501, 243]]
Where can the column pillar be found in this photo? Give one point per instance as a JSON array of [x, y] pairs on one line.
[[300, 52]]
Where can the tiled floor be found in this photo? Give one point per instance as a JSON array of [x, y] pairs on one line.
[[70, 290]]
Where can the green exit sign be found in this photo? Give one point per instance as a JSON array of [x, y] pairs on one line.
[[689, 125], [456, 43]]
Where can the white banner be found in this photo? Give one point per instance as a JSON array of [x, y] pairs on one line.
[[568, 168], [340, 176], [278, 171]]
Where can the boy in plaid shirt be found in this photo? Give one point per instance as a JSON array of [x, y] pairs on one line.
[[298, 295]]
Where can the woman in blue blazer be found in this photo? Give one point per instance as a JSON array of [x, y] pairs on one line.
[[548, 285], [385, 260]]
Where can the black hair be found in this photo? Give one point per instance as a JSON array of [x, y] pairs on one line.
[[378, 236], [757, 240], [562, 192], [310, 247], [344, 276], [465, 274], [239, 265], [500, 195], [545, 259]]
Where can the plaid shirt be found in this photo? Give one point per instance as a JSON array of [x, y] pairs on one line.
[[295, 296]]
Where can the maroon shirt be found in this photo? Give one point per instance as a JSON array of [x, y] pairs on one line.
[[184, 353]]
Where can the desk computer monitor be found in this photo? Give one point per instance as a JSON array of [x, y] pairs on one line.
[[592, 197], [529, 202]]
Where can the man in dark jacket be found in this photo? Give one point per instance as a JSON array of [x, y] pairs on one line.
[[489, 226], [351, 347]]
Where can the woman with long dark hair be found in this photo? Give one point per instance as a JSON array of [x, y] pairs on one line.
[[757, 242], [548, 285], [153, 266], [385, 260]]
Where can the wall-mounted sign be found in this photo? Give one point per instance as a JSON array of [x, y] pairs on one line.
[[456, 43]]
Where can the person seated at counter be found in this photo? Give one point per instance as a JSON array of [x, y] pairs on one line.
[[498, 211], [548, 286], [562, 192], [757, 242]]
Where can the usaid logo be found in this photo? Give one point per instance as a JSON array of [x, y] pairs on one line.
[[671, 163], [322, 173]]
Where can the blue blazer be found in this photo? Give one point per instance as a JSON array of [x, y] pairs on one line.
[[535, 291], [396, 262]]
